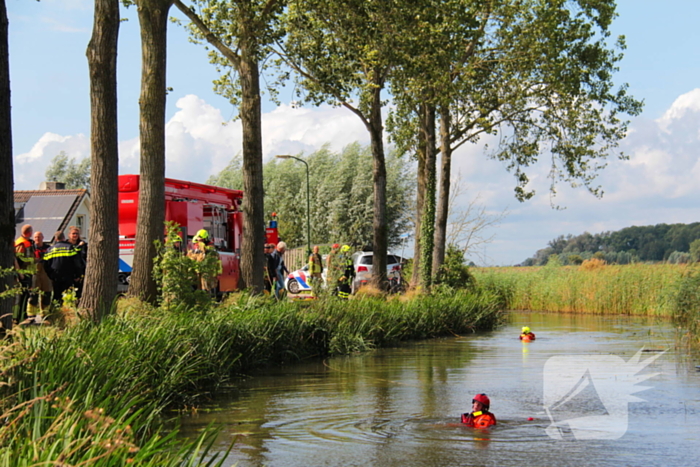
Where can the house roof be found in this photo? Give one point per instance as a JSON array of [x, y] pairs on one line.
[[47, 210], [23, 196]]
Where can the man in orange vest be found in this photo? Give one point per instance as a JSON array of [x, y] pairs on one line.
[[479, 417], [24, 261]]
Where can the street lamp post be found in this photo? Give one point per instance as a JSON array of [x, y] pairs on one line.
[[308, 201]]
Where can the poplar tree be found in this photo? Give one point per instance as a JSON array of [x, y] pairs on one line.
[[153, 22], [7, 205], [240, 32], [538, 74], [103, 254], [343, 53]]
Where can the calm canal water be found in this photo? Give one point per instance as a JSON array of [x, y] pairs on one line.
[[401, 406]]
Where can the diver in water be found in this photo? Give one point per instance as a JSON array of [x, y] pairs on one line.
[[479, 417], [526, 335]]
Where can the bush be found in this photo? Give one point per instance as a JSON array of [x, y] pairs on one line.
[[454, 272]]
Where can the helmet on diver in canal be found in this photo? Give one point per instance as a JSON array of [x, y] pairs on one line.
[[484, 399]]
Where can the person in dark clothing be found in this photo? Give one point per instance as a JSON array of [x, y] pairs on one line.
[[344, 288], [268, 272], [278, 267], [64, 265], [80, 245]]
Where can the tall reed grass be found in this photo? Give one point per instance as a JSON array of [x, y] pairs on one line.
[[637, 289], [91, 394]]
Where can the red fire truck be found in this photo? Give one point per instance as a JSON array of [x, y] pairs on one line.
[[193, 206]]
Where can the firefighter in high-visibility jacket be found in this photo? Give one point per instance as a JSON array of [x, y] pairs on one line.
[[25, 267], [479, 417], [209, 264], [344, 287]]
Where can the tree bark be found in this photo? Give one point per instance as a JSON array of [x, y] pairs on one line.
[[420, 199], [7, 206], [379, 222], [103, 254], [444, 199], [428, 218], [153, 20], [252, 255]]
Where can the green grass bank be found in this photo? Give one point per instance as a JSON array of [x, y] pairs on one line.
[[91, 394]]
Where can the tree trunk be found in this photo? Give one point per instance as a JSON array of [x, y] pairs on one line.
[[379, 222], [153, 20], [103, 254], [252, 255], [7, 204], [428, 219], [420, 200], [444, 199]]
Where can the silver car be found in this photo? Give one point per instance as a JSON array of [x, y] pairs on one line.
[[362, 260]]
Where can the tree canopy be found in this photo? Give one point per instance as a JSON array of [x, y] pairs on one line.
[[637, 243], [69, 171], [341, 195]]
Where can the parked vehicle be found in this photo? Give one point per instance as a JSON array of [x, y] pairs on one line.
[[299, 281], [193, 206], [363, 269]]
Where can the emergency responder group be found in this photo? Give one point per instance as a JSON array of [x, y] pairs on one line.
[[46, 272], [339, 269]]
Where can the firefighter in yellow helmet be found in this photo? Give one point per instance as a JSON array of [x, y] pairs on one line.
[[348, 272], [207, 259], [526, 335]]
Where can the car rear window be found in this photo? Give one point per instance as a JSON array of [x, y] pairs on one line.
[[366, 260], [391, 259]]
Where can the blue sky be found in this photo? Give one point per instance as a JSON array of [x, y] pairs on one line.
[[658, 184]]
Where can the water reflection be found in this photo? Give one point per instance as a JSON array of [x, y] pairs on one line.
[[401, 406]]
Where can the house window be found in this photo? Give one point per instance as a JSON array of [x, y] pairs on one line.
[[80, 222]]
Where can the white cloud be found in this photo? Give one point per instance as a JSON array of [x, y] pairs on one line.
[[688, 102], [200, 142], [30, 167]]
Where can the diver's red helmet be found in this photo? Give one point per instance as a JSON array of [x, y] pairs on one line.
[[483, 398]]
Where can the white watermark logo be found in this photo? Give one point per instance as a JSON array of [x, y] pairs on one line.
[[586, 396]]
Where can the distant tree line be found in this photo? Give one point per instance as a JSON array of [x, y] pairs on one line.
[[674, 243]]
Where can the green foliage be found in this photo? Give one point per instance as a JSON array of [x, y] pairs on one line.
[[341, 191], [679, 257], [454, 272], [178, 275], [73, 174], [575, 259], [247, 30], [695, 250], [628, 245], [539, 74], [231, 176], [686, 306]]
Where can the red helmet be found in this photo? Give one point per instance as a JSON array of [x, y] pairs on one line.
[[483, 398]]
